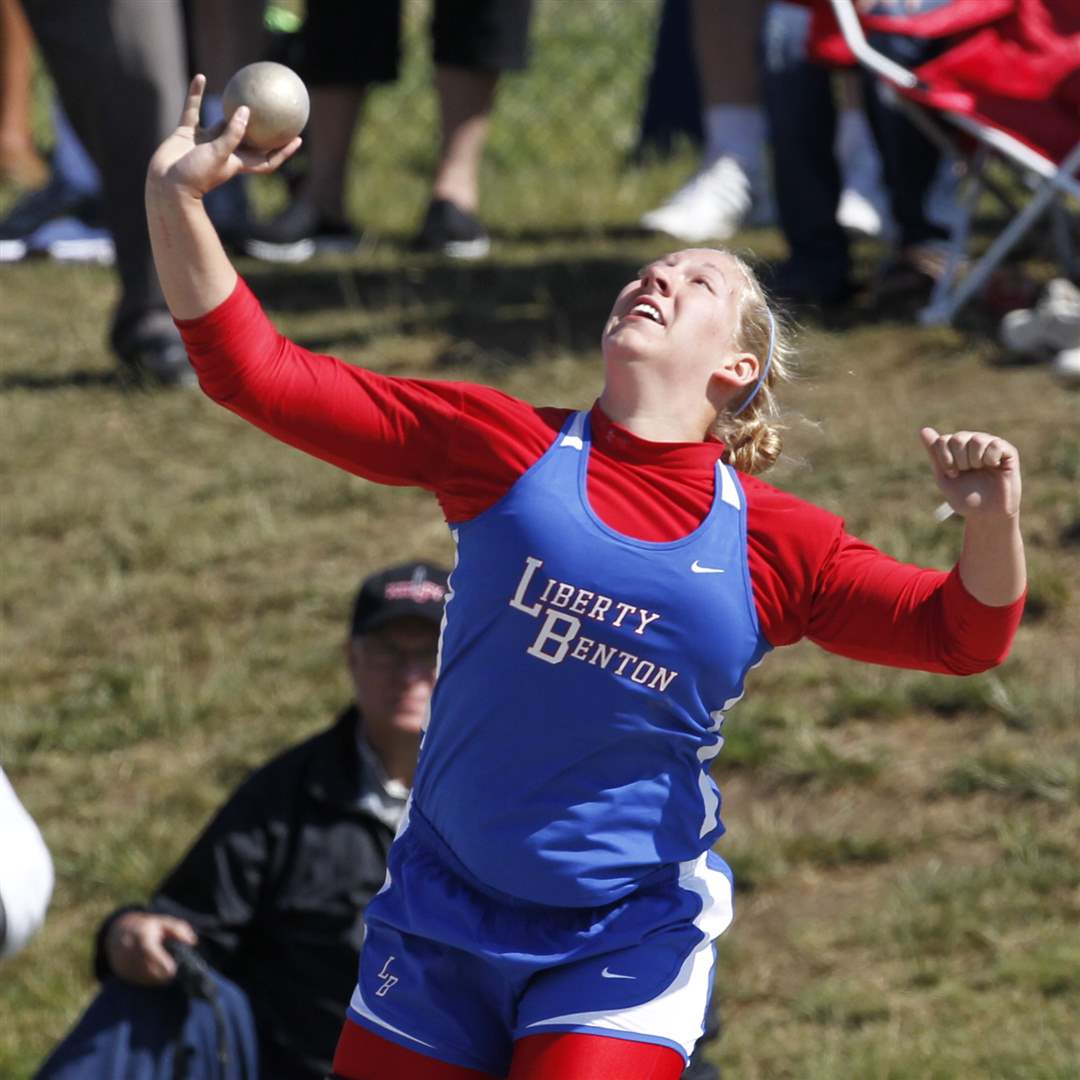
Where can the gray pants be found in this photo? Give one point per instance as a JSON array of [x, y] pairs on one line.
[[120, 69]]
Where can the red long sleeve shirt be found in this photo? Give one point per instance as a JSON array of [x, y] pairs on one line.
[[468, 444]]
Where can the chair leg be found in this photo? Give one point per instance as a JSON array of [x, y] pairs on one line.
[[942, 312]]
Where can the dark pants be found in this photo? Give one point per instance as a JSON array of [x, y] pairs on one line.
[[120, 70], [801, 112], [356, 44], [139, 1033]]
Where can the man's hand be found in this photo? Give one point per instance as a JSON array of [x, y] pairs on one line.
[[135, 946], [193, 162], [978, 473]]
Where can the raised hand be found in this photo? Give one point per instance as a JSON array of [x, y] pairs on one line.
[[978, 473], [195, 161]]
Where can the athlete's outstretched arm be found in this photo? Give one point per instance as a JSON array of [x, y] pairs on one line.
[[196, 275], [867, 606], [979, 475]]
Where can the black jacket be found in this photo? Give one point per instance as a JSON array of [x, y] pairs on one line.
[[275, 888]]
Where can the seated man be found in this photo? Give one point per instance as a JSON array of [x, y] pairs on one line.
[[273, 892]]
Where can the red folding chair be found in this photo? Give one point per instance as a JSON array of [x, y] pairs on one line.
[[1006, 89]]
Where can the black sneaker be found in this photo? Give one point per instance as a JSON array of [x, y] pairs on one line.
[[453, 231], [151, 352], [296, 234]]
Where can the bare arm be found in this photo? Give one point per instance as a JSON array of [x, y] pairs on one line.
[[196, 275], [979, 475], [868, 606]]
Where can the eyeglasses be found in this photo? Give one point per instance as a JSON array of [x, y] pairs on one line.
[[385, 654]]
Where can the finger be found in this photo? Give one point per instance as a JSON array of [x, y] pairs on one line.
[[938, 450], [999, 454], [957, 444], [975, 449], [970, 454], [279, 157], [992, 453], [160, 965], [189, 115], [180, 930], [269, 162], [156, 961], [232, 135]]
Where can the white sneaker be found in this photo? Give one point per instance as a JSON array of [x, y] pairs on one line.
[[857, 213], [713, 205], [1054, 322], [1066, 366]]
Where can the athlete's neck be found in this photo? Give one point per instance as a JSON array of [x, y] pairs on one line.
[[648, 417]]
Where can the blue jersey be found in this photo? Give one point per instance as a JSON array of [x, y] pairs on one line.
[[583, 681]]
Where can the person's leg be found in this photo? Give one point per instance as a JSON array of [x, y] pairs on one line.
[[19, 159], [806, 177], [363, 1055], [226, 37], [640, 1005], [911, 164], [592, 1057], [672, 94], [335, 111], [910, 160], [343, 49], [473, 43], [465, 102], [119, 68], [717, 200], [863, 202], [727, 46], [72, 196], [699, 1067]]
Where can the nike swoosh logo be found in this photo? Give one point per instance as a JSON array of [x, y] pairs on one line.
[[699, 569], [611, 975]]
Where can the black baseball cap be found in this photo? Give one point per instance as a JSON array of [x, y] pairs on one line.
[[413, 589]]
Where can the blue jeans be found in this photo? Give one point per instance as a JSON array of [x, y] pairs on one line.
[[150, 1033]]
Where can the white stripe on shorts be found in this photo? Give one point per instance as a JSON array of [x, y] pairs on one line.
[[677, 1014], [359, 1006]]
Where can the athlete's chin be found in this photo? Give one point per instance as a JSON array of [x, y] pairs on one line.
[[625, 345]]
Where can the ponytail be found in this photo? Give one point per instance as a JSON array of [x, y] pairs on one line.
[[751, 428]]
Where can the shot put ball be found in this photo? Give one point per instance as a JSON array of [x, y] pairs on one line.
[[277, 98]]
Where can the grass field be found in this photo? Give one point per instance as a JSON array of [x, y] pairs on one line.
[[174, 589]]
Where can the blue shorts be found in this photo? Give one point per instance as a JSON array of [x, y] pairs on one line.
[[459, 974]]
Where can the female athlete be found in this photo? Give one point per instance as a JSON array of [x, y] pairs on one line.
[[552, 897]]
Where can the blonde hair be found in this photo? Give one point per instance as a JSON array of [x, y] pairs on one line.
[[752, 431]]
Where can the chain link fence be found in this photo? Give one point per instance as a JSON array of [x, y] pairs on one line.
[[563, 132]]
